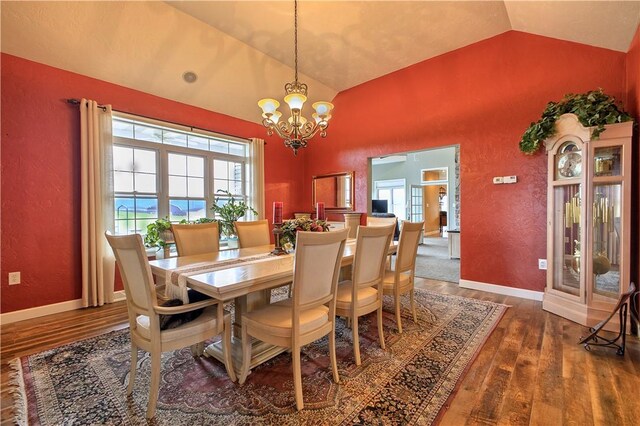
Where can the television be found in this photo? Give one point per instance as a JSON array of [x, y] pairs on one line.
[[379, 206]]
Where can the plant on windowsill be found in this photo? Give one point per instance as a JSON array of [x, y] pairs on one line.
[[593, 109], [229, 209], [158, 233]]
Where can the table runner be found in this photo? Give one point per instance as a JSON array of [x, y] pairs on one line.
[[176, 279]]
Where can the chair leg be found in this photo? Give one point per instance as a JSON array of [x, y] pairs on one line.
[[155, 382], [134, 364], [246, 354], [226, 348], [380, 330], [356, 341], [332, 354], [413, 306], [297, 378], [398, 320]]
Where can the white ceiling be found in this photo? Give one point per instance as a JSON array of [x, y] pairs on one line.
[[243, 50]]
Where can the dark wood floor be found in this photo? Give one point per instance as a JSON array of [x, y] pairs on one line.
[[530, 370]]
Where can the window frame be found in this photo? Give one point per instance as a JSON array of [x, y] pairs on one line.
[[162, 164]]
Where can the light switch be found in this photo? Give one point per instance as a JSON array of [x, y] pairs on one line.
[[497, 180]]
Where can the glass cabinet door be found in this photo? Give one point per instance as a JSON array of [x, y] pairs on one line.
[[606, 238], [566, 244]]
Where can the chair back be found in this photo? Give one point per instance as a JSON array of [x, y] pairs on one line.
[[198, 238], [316, 267], [372, 246], [381, 221], [408, 246], [254, 233], [136, 274]]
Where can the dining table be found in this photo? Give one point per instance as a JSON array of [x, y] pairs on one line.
[[244, 276]]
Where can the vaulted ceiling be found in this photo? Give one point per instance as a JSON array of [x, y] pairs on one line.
[[243, 50]]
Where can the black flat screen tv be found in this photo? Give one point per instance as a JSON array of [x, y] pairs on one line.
[[379, 206]]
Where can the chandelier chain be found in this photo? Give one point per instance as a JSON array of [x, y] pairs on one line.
[[295, 37]]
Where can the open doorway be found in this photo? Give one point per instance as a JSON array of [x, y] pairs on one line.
[[423, 186]]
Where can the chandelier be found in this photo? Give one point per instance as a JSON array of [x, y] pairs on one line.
[[297, 130]]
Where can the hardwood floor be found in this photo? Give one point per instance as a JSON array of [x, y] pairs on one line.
[[530, 370]]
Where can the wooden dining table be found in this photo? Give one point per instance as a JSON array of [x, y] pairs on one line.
[[245, 276]]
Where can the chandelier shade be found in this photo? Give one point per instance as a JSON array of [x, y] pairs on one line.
[[296, 130]]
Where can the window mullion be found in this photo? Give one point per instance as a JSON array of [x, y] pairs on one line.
[[163, 191]]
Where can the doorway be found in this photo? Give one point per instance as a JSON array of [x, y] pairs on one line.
[[423, 185]]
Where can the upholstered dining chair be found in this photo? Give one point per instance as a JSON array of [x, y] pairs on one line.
[[400, 280], [363, 293], [198, 238], [309, 314], [144, 316], [253, 233]]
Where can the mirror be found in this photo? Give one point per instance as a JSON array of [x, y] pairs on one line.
[[335, 190]]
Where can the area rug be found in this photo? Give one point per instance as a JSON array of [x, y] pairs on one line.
[[433, 261], [408, 383]]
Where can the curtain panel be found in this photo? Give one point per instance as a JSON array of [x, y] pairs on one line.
[[256, 157], [97, 198]]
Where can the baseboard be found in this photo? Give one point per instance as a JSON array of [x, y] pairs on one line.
[[500, 289], [40, 311], [55, 308]]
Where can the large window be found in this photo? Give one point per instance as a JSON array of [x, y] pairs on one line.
[[164, 170]]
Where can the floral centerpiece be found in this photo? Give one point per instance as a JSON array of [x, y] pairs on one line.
[[291, 226]]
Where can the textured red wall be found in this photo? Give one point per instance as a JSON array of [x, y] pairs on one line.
[[633, 106], [40, 221], [481, 97]]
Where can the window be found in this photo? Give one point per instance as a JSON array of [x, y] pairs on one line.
[[394, 192], [164, 170]]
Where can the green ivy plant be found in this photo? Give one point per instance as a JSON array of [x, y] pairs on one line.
[[154, 233], [229, 209], [593, 109]]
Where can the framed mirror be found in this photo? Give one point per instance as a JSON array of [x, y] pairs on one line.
[[335, 190]]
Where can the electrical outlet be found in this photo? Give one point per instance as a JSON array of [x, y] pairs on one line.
[[542, 264], [510, 179], [497, 180], [14, 278]]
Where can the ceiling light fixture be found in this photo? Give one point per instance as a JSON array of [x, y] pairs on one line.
[[297, 130]]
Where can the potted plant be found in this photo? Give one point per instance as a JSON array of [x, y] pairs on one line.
[[229, 209], [158, 233], [593, 109]]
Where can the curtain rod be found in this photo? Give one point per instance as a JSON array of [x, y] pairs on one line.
[[75, 101]]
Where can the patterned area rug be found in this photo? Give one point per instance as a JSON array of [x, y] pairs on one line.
[[408, 383]]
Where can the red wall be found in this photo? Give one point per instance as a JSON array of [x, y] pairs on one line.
[[481, 97], [40, 220]]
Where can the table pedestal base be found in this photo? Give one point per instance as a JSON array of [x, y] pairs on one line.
[[260, 352]]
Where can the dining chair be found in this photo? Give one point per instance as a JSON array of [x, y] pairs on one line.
[[253, 233], [384, 221], [197, 238], [309, 314], [363, 293], [144, 316], [400, 280]]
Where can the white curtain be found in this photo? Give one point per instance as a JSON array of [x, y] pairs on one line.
[[96, 203], [256, 157]]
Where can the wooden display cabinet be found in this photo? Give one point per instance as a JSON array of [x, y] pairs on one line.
[[588, 217]]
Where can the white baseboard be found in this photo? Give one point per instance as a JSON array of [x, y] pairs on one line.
[[500, 289], [55, 308]]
